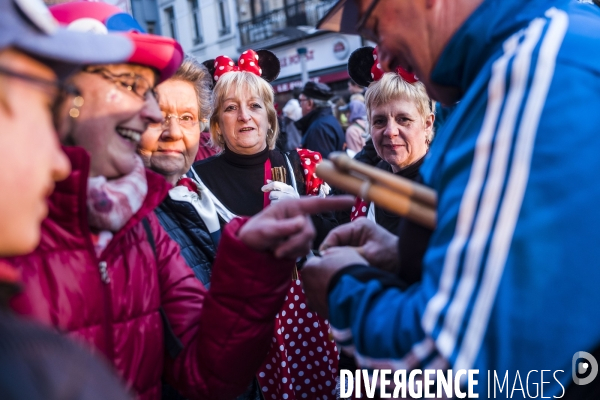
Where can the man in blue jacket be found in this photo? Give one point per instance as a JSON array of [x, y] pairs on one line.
[[510, 281]]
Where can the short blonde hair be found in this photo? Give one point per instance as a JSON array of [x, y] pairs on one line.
[[195, 73], [241, 81], [392, 87]]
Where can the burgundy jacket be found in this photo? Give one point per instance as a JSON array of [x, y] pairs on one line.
[[213, 342]]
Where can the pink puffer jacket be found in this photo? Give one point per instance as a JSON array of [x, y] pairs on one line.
[[217, 339]]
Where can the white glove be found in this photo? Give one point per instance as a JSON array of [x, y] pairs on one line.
[[279, 190], [324, 190]]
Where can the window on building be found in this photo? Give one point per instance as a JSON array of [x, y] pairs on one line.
[[171, 24], [150, 27], [224, 22], [196, 24]]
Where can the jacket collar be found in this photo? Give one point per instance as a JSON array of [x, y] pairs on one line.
[[67, 204], [482, 35], [305, 122]]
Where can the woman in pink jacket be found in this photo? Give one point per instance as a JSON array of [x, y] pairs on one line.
[[106, 273]]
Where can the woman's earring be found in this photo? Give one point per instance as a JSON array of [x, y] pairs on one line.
[[77, 103]]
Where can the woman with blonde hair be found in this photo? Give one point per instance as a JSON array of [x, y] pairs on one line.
[[246, 177], [400, 119], [401, 125]]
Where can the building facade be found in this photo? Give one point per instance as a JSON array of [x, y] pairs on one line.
[[287, 27], [208, 28], [146, 13], [205, 28]]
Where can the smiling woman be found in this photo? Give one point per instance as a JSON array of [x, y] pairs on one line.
[[105, 270], [170, 146], [114, 116]]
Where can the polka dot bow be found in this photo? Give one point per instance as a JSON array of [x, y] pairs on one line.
[[248, 62], [377, 72]]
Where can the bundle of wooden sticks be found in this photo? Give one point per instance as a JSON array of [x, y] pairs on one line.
[[393, 193]]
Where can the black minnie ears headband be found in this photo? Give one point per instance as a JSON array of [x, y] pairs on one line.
[[262, 63], [364, 67]]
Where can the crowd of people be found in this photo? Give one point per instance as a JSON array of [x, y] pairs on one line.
[[161, 223]]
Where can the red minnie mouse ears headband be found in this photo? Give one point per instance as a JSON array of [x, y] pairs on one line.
[[262, 63], [364, 67]]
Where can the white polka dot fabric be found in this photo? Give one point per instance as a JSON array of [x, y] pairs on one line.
[[360, 209], [303, 360], [310, 159]]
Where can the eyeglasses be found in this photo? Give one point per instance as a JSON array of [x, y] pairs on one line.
[[361, 28], [185, 121], [57, 90], [131, 81]]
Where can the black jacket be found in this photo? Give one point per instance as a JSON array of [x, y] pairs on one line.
[[414, 238], [321, 132], [184, 225]]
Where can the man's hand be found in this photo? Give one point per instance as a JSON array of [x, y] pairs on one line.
[[374, 243], [285, 228], [318, 271]]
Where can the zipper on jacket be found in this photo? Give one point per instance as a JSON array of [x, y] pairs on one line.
[[110, 343], [104, 272]]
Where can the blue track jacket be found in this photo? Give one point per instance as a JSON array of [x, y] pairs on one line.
[[511, 277]]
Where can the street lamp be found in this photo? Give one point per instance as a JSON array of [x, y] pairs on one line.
[[304, 70], [299, 35]]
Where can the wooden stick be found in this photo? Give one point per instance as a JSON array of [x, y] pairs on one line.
[[398, 184], [383, 196]]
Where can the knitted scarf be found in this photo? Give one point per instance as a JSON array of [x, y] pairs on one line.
[[111, 203]]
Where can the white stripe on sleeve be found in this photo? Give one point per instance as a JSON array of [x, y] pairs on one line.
[[515, 191]]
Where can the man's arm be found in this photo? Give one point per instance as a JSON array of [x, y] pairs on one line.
[[356, 296]]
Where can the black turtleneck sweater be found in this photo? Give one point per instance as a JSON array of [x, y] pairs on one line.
[[236, 180]]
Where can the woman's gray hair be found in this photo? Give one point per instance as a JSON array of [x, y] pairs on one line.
[[195, 73]]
